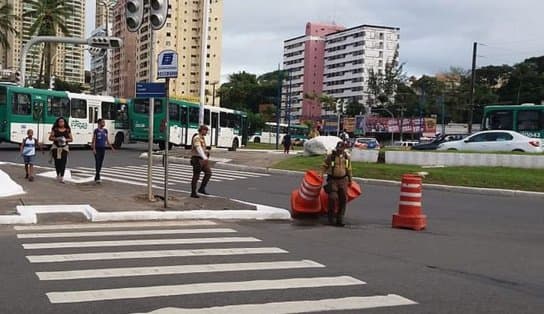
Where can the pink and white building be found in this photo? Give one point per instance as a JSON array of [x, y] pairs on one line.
[[333, 60]]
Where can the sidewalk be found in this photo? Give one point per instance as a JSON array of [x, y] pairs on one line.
[[123, 200]]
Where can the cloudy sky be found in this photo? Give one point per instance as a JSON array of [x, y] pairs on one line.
[[435, 34]]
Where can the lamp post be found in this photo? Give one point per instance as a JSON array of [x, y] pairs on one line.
[[107, 4], [393, 117]]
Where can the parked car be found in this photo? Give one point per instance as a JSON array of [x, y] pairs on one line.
[[439, 140], [406, 144], [366, 143], [489, 141]]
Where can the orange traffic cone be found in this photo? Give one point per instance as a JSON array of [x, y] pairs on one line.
[[354, 191], [306, 198], [410, 215]]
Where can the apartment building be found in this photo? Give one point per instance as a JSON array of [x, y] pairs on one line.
[[101, 65], [182, 33], [67, 60], [333, 60]]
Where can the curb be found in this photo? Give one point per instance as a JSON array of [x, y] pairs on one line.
[[29, 214], [436, 187]]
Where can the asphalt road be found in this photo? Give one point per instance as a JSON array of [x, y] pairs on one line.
[[479, 254]]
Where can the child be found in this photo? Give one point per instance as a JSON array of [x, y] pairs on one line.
[[28, 151]]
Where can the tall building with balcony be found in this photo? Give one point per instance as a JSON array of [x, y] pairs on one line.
[[181, 33], [67, 60], [335, 61]]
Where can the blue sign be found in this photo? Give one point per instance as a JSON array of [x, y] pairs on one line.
[[167, 66], [150, 90]]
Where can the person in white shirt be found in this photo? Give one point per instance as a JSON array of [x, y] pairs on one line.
[[199, 161], [28, 151]]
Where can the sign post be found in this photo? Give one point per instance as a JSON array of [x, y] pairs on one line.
[[167, 68]]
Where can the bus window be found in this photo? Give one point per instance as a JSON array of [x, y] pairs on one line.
[[79, 108], [58, 107], [173, 112], [109, 111], [223, 120], [3, 95], [207, 116], [501, 120], [529, 120], [193, 115], [21, 104], [183, 116], [234, 120], [142, 106]]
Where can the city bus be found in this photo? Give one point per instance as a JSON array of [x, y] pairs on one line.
[[24, 108], [527, 119], [228, 128], [299, 133]]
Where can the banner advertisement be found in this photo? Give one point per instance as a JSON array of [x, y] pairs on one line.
[[365, 124]]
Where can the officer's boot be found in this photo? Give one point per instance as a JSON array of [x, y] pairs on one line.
[[330, 212], [205, 181], [193, 187], [340, 216]]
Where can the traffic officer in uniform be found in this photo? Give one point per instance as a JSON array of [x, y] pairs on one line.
[[199, 161], [337, 166]]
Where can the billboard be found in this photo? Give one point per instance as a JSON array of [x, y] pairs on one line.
[[371, 124]]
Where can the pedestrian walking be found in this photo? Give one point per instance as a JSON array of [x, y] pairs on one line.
[[200, 162], [99, 144], [28, 151], [287, 142], [337, 166], [61, 135]]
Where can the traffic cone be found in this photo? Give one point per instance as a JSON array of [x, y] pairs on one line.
[[410, 214], [305, 199], [354, 191]]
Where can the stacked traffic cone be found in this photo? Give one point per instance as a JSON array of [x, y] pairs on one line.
[[306, 198], [410, 214], [354, 191]]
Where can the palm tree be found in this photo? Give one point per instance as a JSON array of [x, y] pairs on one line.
[[49, 17], [6, 24]]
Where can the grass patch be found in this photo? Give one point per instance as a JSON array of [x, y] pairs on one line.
[[268, 146], [485, 177]]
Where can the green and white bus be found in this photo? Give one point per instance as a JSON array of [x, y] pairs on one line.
[[527, 119], [299, 133], [228, 128], [30, 108]]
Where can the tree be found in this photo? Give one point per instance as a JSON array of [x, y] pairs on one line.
[[48, 16], [354, 108], [6, 24], [241, 92], [67, 86]]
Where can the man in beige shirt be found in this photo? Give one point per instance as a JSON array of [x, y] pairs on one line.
[[337, 166], [199, 161]]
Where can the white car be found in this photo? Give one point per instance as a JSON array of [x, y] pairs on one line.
[[494, 141]]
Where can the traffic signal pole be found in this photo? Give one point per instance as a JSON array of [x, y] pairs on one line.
[[100, 42], [203, 58]]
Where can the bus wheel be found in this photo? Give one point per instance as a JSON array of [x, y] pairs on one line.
[[162, 145], [119, 139], [257, 140], [170, 145], [234, 145]]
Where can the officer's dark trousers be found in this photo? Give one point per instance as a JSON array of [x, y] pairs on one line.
[[196, 162], [337, 191], [98, 161]]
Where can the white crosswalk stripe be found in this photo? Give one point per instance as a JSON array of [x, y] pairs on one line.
[[253, 262], [178, 173]]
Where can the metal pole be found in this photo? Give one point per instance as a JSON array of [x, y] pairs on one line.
[[472, 85], [150, 195], [106, 5], [442, 103], [45, 39], [203, 58], [167, 140], [278, 108]]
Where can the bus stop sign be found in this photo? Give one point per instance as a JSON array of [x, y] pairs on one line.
[[167, 64], [150, 90]]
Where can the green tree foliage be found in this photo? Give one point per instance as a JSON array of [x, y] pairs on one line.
[[354, 108], [48, 17], [6, 24]]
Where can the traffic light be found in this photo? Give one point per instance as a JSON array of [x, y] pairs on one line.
[[159, 13], [18, 77], [134, 11], [52, 82], [96, 52], [105, 42]]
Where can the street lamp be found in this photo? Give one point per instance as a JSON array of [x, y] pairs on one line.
[[393, 117]]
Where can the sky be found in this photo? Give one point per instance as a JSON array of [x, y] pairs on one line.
[[435, 34]]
